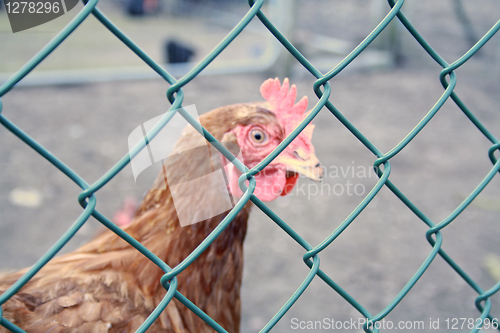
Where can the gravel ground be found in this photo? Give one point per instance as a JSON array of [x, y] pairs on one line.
[[87, 126]]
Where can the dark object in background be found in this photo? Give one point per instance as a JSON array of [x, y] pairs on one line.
[[135, 7], [176, 52], [142, 7]]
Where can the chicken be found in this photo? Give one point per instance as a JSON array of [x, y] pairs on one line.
[[108, 286]]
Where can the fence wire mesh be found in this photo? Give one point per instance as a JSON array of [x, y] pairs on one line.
[[321, 87]]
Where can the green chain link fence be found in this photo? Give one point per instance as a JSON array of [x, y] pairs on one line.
[[382, 166]]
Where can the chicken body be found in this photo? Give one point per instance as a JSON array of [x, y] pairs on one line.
[[108, 286]]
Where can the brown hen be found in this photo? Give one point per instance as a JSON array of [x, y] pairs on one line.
[[108, 286]]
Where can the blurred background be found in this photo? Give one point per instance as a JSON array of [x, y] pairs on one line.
[[85, 98]]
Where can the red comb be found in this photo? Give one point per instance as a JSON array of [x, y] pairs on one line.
[[282, 102]]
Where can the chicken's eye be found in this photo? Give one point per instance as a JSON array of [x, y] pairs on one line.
[[258, 136]]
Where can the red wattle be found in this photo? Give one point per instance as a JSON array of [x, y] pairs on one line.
[[290, 184]]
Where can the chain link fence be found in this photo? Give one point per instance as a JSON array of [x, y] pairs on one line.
[[382, 165]]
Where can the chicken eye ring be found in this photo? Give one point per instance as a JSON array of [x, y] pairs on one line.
[[258, 136]]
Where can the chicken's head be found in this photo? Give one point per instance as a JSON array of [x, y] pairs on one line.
[[259, 136]]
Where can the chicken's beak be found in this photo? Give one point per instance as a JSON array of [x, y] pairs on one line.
[[303, 163]]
